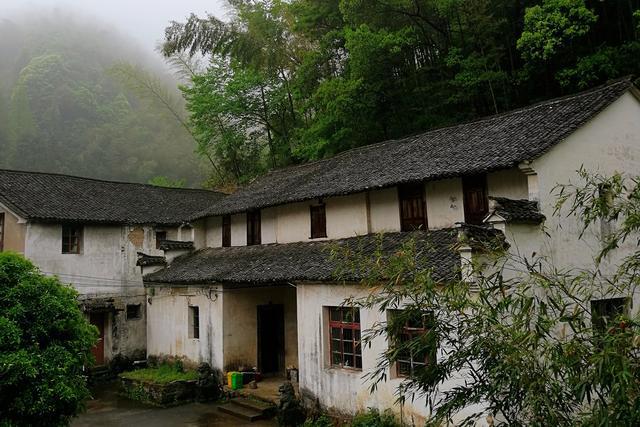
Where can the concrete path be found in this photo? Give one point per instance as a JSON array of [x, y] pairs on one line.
[[109, 409]]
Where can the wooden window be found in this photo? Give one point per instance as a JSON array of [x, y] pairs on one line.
[[318, 221], [410, 360], [476, 203], [71, 239], [1, 231], [160, 237], [134, 311], [344, 338], [194, 322], [413, 214], [226, 231], [253, 228], [605, 311]]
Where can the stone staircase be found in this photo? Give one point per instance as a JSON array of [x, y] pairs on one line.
[[248, 409]]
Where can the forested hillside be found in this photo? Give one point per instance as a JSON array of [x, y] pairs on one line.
[[70, 103], [292, 81]]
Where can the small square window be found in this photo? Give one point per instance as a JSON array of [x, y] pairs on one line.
[[72, 239], [134, 311], [226, 231], [194, 322]]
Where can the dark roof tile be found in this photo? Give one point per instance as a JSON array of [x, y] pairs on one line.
[[61, 198], [497, 142], [517, 210]]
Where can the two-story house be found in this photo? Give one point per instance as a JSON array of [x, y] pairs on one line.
[[264, 293], [95, 235]]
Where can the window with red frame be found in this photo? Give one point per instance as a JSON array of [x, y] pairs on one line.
[[71, 239], [409, 359], [344, 338], [226, 231], [253, 228]]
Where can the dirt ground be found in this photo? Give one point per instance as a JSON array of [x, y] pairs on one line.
[[109, 409]]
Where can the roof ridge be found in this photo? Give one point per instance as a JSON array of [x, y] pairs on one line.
[[108, 181], [626, 79]]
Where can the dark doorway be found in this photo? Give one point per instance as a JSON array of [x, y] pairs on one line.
[[271, 338], [98, 319], [476, 203]]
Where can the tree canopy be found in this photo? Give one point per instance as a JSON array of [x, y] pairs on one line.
[[293, 81], [45, 345]]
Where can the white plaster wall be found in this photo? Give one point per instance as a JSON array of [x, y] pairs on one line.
[[444, 203], [608, 143], [346, 216], [199, 234], [344, 390], [384, 210], [168, 323], [214, 232], [510, 183], [293, 223], [239, 230], [269, 225]]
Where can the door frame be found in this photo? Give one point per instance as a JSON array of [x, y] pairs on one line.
[[262, 310]]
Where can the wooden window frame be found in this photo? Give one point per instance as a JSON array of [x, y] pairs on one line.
[[158, 234], [411, 332], [254, 228], [412, 194], [226, 231], [69, 232], [318, 216], [470, 183], [2, 221], [337, 340], [194, 322]]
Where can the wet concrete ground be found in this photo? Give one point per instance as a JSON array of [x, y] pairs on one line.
[[109, 409]]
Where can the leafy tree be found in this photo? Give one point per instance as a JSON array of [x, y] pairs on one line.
[[532, 348], [45, 344]]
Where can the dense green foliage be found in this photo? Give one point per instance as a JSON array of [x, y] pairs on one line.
[[162, 374], [45, 345], [533, 348], [68, 105], [292, 81]]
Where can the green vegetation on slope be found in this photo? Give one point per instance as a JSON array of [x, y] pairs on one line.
[[163, 374], [67, 106]]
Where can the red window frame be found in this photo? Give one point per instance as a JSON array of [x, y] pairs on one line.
[[405, 364], [476, 201], [345, 346], [72, 239]]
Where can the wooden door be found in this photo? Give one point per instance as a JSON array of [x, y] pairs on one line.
[[98, 319], [476, 203], [271, 338]]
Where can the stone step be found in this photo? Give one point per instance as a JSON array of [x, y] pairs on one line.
[[242, 412], [254, 404]]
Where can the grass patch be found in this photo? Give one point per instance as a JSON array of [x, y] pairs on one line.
[[163, 374]]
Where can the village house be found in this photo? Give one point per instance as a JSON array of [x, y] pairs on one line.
[[263, 291], [97, 235]]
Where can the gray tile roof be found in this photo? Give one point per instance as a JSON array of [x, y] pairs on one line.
[[146, 260], [49, 197], [492, 143], [310, 261], [168, 245], [517, 210]]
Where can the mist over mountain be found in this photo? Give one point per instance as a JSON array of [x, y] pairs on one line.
[[65, 107]]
